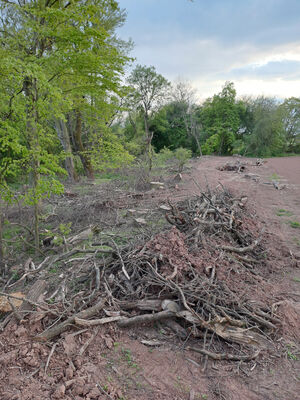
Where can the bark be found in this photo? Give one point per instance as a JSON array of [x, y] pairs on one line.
[[2, 266], [64, 137], [33, 139], [33, 295], [149, 137], [85, 159]]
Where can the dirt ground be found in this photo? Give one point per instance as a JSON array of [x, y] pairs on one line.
[[117, 365]]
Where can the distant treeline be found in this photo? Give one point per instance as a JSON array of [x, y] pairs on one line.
[[221, 125]]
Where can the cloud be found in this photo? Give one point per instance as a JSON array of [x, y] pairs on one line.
[[209, 42], [285, 69]]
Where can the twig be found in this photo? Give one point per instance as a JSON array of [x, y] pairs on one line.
[[49, 357], [224, 356], [103, 391], [121, 259], [88, 342]]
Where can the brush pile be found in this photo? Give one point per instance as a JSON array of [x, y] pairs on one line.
[[237, 166], [202, 278]]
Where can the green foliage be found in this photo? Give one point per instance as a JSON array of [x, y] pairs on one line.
[[44, 189], [148, 88], [169, 129], [107, 152], [64, 231], [182, 156], [283, 213], [295, 224], [266, 137], [163, 156], [220, 117], [290, 114], [212, 144]]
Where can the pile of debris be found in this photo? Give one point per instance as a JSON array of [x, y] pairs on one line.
[[237, 166], [202, 278]]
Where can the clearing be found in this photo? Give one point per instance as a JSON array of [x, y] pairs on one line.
[[218, 280]]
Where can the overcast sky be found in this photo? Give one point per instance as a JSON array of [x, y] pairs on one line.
[[254, 43]]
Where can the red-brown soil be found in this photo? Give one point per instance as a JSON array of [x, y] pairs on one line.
[[116, 365]]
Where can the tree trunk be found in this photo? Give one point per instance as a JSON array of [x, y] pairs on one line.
[[63, 135], [2, 266], [86, 162], [33, 140], [198, 143], [149, 137]]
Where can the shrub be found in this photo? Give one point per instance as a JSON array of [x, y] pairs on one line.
[[182, 156]]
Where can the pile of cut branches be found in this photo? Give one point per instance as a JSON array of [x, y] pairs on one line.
[[237, 166], [200, 278]]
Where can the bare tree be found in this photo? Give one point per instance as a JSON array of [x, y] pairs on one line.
[[149, 89], [185, 96]]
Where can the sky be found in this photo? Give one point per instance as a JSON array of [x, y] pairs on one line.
[[254, 43]]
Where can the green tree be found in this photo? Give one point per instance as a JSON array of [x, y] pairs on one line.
[[267, 135], [149, 90], [290, 111], [63, 59], [220, 118], [168, 128]]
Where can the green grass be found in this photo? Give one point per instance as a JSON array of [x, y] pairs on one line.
[[10, 231], [294, 224], [109, 176], [274, 176], [283, 213], [296, 280]]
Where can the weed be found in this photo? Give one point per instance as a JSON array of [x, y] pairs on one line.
[[292, 356], [296, 280], [15, 276], [128, 357], [290, 353], [204, 396], [294, 224], [274, 176], [296, 240], [11, 231], [283, 213]]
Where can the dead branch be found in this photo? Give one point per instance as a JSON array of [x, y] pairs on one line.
[[242, 250], [224, 356], [88, 342], [93, 322], [49, 357], [62, 327], [145, 318]]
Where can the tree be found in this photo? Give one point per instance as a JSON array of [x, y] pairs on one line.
[[267, 135], [149, 90], [63, 58], [185, 98], [220, 117], [290, 111]]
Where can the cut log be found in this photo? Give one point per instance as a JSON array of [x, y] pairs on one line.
[[33, 295]]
